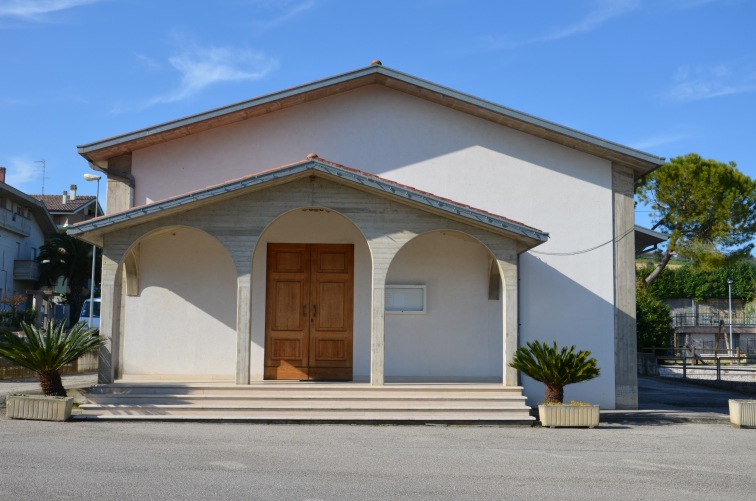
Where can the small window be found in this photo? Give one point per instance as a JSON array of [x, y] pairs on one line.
[[406, 298]]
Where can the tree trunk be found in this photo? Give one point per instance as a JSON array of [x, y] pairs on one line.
[[51, 384], [554, 394], [667, 256]]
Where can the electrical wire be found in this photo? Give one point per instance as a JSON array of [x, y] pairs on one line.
[[584, 251]]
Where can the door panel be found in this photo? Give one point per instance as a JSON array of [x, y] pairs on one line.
[[286, 315], [309, 311]]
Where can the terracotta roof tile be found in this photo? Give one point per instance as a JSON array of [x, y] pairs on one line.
[[54, 203]]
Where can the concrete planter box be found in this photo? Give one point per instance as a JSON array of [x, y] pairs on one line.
[[743, 413], [39, 407], [560, 416]]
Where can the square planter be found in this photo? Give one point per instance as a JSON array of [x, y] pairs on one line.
[[743, 413], [559, 416], [39, 407]]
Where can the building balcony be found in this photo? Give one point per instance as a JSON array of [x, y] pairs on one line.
[[25, 270], [15, 222], [740, 318]]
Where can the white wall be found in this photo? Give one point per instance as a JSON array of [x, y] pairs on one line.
[[460, 335], [184, 320], [314, 226], [567, 297]]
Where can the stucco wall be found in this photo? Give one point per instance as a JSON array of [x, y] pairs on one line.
[[184, 319], [566, 294], [460, 335]]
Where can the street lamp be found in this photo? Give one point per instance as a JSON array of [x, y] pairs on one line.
[[729, 298], [93, 177]]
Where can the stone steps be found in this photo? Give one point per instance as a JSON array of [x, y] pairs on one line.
[[307, 402]]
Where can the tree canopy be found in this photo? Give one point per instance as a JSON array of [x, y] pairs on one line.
[[70, 258], [708, 209]]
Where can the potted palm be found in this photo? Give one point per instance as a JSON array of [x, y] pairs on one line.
[[557, 368], [45, 350]]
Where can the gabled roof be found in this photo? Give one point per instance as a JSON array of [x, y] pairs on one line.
[[376, 74], [54, 203], [37, 208], [94, 229]]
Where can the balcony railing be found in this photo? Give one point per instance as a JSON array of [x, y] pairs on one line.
[[25, 270], [713, 319], [15, 222]]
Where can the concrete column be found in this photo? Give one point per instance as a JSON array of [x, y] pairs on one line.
[[510, 322], [120, 190], [109, 322], [625, 337], [243, 333], [377, 338]]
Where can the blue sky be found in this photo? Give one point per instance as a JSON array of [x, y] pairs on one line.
[[669, 77]]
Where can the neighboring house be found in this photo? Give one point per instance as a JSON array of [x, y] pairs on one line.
[[70, 208], [705, 325], [647, 240], [24, 225], [370, 226]]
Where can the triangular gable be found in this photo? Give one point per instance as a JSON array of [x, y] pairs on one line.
[[376, 74], [94, 229]]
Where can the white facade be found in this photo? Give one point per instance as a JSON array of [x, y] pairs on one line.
[[24, 225], [566, 287]]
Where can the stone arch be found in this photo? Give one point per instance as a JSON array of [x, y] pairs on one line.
[[314, 224], [460, 336], [178, 316]]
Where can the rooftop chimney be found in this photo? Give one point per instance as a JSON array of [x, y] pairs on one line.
[[65, 197], [73, 192], [2, 174]]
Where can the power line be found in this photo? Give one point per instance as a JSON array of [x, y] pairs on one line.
[[583, 251]]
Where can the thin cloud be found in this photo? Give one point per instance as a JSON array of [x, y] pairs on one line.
[[605, 11], [717, 80], [202, 67], [7, 102], [660, 140], [22, 171], [687, 4], [289, 10], [36, 10]]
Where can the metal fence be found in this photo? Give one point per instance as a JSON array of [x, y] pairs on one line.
[[736, 368], [708, 319]]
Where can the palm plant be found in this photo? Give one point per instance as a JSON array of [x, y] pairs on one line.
[[554, 367], [46, 350]]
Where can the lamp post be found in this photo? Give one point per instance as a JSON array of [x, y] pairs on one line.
[[729, 299], [93, 177]]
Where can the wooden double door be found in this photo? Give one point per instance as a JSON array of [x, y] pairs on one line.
[[309, 312]]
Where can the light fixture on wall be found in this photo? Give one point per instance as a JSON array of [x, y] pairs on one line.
[[93, 177]]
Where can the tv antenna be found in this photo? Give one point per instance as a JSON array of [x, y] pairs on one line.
[[44, 165]]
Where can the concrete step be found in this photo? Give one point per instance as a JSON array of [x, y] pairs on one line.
[[316, 402], [307, 402], [195, 412], [304, 390]]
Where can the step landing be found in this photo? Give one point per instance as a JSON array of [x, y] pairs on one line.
[[308, 402]]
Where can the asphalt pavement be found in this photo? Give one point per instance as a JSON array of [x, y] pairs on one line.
[[677, 446]]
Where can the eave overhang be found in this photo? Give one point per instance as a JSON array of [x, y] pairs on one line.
[[642, 163], [647, 240], [93, 230]]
